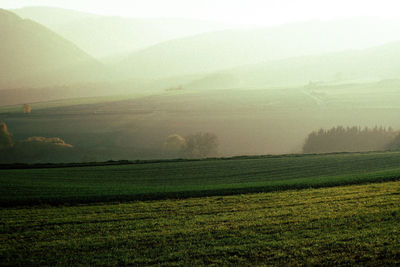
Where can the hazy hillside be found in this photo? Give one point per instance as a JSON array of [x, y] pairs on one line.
[[372, 64], [32, 55], [217, 50], [51, 17], [103, 36]]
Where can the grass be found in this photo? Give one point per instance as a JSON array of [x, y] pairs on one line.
[[179, 179], [350, 225]]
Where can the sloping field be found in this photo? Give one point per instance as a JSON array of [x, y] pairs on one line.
[[177, 179], [350, 225]]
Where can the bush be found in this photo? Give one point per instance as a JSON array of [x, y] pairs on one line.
[[201, 145]]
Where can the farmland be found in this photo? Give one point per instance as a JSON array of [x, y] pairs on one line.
[[346, 225], [253, 133], [333, 209], [246, 121], [150, 180]]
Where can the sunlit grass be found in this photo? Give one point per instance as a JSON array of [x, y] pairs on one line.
[[331, 226]]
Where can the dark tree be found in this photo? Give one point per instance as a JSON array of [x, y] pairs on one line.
[[6, 138], [201, 145]]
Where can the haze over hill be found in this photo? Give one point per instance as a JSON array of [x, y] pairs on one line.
[[32, 55], [52, 17], [197, 61], [372, 64], [224, 49], [104, 36], [308, 75]]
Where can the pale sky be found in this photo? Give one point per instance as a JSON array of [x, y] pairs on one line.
[[263, 12]]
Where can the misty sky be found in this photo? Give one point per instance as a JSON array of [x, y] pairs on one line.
[[265, 12]]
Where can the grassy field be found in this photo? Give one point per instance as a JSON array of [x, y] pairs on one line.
[[177, 179], [349, 225]]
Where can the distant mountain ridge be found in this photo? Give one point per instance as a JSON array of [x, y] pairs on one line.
[[104, 36], [51, 17], [32, 55], [367, 65], [214, 51]]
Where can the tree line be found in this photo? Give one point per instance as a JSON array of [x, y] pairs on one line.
[[54, 149], [352, 139]]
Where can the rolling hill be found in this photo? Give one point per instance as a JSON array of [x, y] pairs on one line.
[[32, 55], [372, 64], [103, 36], [231, 48], [51, 17]]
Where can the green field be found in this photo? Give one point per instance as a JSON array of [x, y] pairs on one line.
[[265, 210], [349, 225], [177, 179]]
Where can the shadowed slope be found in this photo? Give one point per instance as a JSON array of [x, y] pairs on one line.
[[31, 55]]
